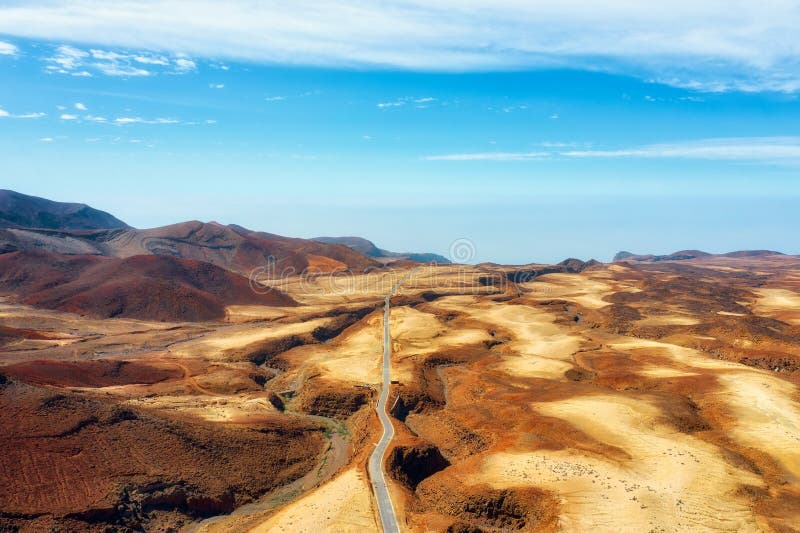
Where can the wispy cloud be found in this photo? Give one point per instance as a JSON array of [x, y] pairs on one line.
[[418, 102], [490, 156], [732, 149], [6, 114], [8, 49], [280, 97], [139, 120], [46, 139], [185, 65], [68, 116], [151, 60], [81, 107], [216, 85], [66, 60], [714, 45], [770, 150], [75, 61]]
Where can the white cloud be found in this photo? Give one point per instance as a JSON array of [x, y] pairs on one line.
[[280, 98], [105, 55], [67, 116], [117, 69], [770, 150], [93, 118], [185, 65], [216, 85], [151, 60], [6, 114], [490, 156], [710, 45], [139, 120], [81, 107], [66, 59], [8, 49], [419, 103], [79, 62], [46, 139]]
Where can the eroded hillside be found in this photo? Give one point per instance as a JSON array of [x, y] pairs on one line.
[[627, 397]]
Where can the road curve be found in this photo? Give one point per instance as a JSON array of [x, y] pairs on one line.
[[385, 507]]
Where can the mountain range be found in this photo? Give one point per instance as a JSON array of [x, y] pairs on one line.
[[688, 254], [72, 257], [368, 248]]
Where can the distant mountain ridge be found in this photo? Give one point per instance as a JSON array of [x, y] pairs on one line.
[[368, 248], [688, 254], [231, 247], [73, 258], [22, 211]]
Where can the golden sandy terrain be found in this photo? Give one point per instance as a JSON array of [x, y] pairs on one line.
[[342, 504], [626, 397], [783, 304]]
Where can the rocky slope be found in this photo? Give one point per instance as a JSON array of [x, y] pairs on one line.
[[146, 287], [229, 247], [75, 462]]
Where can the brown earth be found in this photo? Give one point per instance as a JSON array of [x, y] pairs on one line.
[[79, 462], [148, 287], [639, 396], [230, 247]]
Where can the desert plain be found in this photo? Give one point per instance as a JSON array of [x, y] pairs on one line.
[[631, 396]]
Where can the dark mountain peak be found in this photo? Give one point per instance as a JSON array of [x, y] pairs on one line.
[[368, 248], [359, 244], [19, 210]]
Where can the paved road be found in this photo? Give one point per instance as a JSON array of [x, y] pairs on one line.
[[385, 507]]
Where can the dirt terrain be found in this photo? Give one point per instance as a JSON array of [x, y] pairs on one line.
[[232, 247], [635, 396], [153, 287]]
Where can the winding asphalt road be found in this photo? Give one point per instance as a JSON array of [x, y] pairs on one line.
[[385, 507]]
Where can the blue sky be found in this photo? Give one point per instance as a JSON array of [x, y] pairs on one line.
[[522, 128]]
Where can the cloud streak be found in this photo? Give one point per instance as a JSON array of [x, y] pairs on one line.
[[715, 45], [772, 150], [6, 114], [8, 49], [491, 156], [139, 120], [75, 61]]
